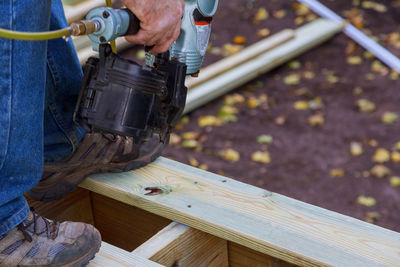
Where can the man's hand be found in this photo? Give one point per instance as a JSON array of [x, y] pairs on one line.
[[160, 22]]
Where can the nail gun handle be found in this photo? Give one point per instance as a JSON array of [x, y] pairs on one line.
[[134, 23]]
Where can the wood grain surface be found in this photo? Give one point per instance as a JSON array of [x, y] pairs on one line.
[[270, 223]]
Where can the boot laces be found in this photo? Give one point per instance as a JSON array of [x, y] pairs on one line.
[[38, 226]]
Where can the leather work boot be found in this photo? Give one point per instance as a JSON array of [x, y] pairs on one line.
[[96, 153], [41, 242]]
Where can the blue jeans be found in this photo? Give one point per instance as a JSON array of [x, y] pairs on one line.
[[39, 84]]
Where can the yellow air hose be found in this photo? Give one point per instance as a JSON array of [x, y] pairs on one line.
[[35, 36]]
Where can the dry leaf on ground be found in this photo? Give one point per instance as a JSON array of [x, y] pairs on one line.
[[260, 156], [366, 201]]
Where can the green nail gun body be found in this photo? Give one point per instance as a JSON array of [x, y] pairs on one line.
[[122, 97]]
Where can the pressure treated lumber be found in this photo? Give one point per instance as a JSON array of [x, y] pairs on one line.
[[76, 206], [243, 56], [307, 37], [111, 256], [270, 223], [183, 246], [123, 225]]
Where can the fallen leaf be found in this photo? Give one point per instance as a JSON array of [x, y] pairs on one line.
[[262, 14], [372, 216], [300, 105], [370, 76], [264, 139], [389, 117], [356, 149], [280, 120], [238, 39], [337, 173], [292, 79], [230, 155], [378, 67], [397, 145], [260, 156], [252, 102], [203, 167], [316, 120], [365, 106], [190, 144], [174, 139], [227, 110], [366, 201], [368, 55], [394, 75], [299, 20], [381, 155], [394, 181], [263, 32], [395, 156], [308, 75], [357, 91], [190, 135], [294, 65], [331, 78], [354, 60], [193, 162], [231, 49], [279, 14], [374, 5], [141, 54], [233, 99], [209, 121], [301, 9], [380, 171], [373, 143]]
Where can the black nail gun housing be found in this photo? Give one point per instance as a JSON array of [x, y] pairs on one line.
[[122, 97]]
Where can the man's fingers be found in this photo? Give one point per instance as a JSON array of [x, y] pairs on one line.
[[142, 37]]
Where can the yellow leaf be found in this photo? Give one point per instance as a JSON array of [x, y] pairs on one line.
[[260, 156], [301, 105], [230, 154], [366, 201], [337, 172], [190, 144], [190, 135], [294, 65], [262, 14], [356, 148], [354, 60], [365, 106], [209, 121], [373, 143], [389, 117], [252, 102], [374, 5], [380, 171], [264, 139], [239, 39], [292, 79], [331, 78], [394, 181], [381, 155], [193, 162], [378, 67], [372, 216], [174, 139], [397, 146], [231, 49], [233, 99], [279, 14], [368, 55], [227, 110], [395, 156], [316, 120], [263, 32], [203, 167]]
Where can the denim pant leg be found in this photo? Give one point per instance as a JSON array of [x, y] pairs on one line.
[[22, 90], [64, 76]]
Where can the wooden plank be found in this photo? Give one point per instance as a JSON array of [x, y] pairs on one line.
[[243, 56], [180, 245], [110, 256], [270, 223], [123, 225], [307, 37], [241, 256], [76, 206]]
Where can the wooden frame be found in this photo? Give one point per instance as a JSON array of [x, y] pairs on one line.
[[259, 228]]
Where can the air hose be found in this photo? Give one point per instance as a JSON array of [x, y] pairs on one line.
[[35, 36]]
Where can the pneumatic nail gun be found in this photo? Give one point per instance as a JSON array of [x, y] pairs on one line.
[[122, 97]]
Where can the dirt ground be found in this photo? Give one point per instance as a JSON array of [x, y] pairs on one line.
[[309, 163]]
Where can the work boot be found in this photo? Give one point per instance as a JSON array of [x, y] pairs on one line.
[[40, 242], [96, 153]]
